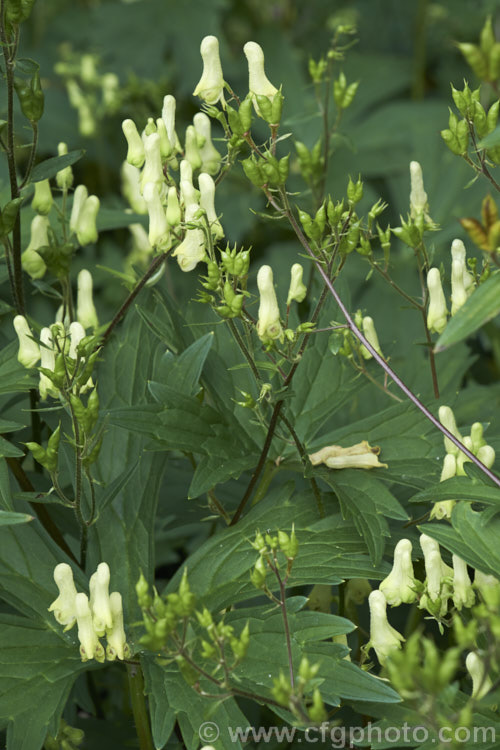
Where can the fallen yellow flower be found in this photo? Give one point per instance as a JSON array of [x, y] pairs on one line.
[[359, 456]]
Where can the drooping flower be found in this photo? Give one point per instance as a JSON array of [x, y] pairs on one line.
[[399, 586], [135, 153], [29, 351], [42, 199], [90, 647], [481, 682], [192, 249], [64, 607], [117, 642], [86, 222], [443, 508], [359, 456], [31, 260], [79, 197], [258, 82], [384, 639], [99, 599], [159, 235], [269, 323], [463, 593], [210, 87]]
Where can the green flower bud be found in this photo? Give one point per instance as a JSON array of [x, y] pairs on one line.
[[253, 171], [142, 590], [317, 711], [297, 290], [477, 60], [29, 351], [245, 113], [64, 178], [354, 191], [135, 153], [258, 574], [210, 87]]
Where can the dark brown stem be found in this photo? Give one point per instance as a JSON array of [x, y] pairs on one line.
[[40, 510], [432, 358], [156, 263]]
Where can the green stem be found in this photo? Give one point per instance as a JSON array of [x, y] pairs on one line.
[[307, 463], [138, 701]]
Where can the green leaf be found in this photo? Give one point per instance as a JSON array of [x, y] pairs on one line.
[[368, 502], [37, 670], [482, 306], [50, 167], [182, 372], [8, 450], [14, 378], [459, 488], [5, 496], [491, 140], [172, 698], [124, 533], [9, 518], [329, 551], [112, 218]]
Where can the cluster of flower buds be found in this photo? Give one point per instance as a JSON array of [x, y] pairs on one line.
[[163, 614], [473, 115], [93, 94], [269, 324], [453, 464], [304, 690], [462, 286], [66, 353], [44, 251], [67, 738], [268, 546], [359, 456], [149, 184], [441, 584], [97, 616]]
